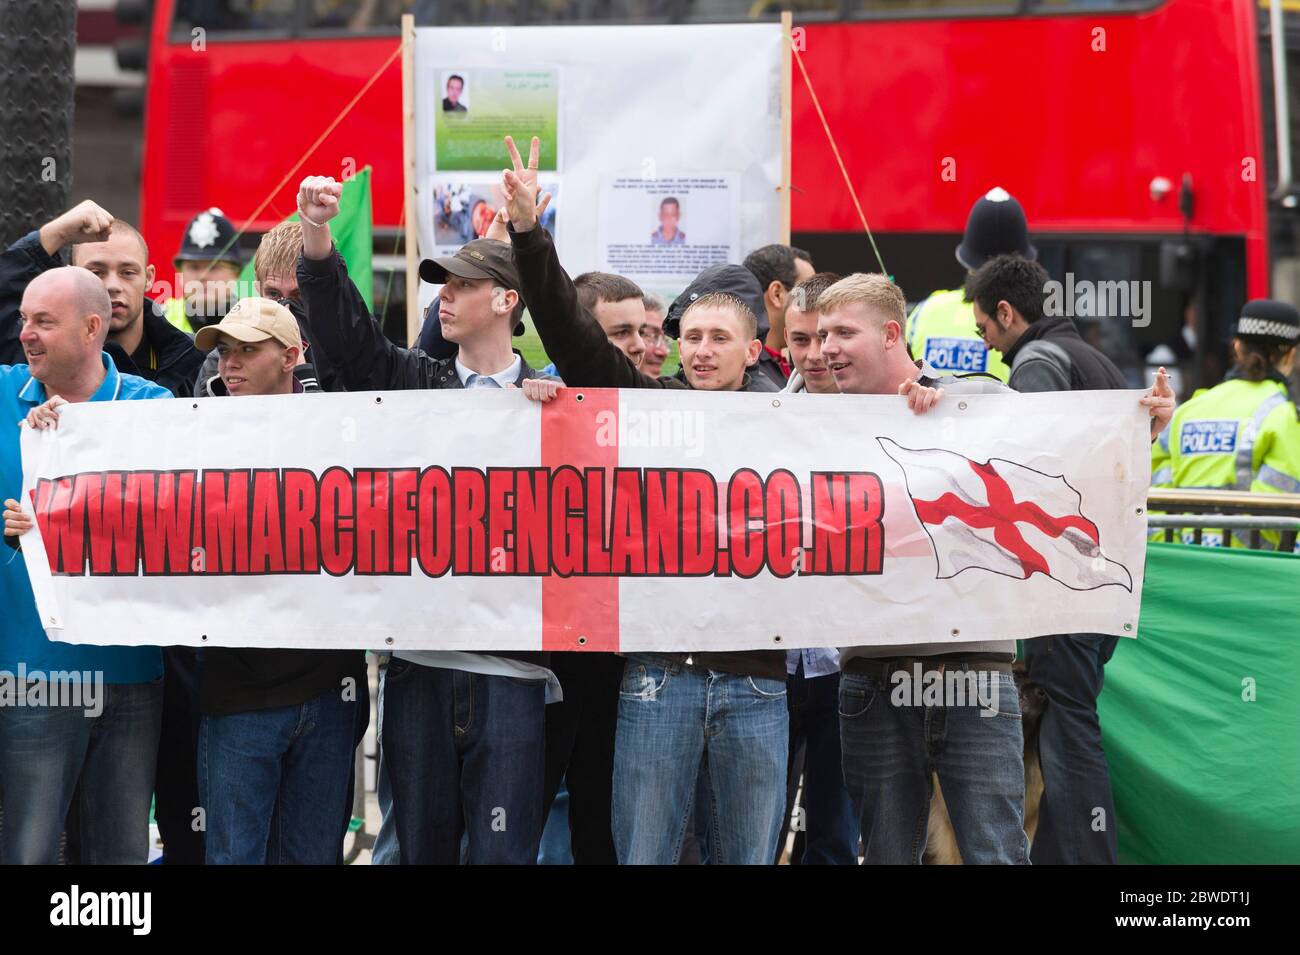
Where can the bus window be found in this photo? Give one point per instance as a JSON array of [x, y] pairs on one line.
[[232, 16], [959, 8], [357, 15]]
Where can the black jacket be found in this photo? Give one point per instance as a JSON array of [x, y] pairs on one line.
[[1051, 356], [573, 339], [167, 355], [363, 359], [585, 358], [246, 679], [767, 374]]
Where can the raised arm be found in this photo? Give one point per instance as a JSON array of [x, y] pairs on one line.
[[573, 339], [341, 324], [35, 253]]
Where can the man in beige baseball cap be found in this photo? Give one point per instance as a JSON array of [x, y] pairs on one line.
[[273, 794], [258, 345]]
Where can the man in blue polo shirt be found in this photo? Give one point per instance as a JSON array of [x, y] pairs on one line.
[[45, 750]]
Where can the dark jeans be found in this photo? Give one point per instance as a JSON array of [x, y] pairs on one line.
[[580, 747], [45, 751], [177, 788], [273, 782], [464, 753], [830, 829], [892, 747], [1076, 819]]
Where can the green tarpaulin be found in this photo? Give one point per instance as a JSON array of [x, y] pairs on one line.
[[1201, 714]]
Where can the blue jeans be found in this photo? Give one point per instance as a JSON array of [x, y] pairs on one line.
[[674, 721], [274, 782], [464, 753], [46, 750], [1076, 818], [830, 825], [891, 750]]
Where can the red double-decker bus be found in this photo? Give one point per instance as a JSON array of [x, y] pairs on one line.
[[1132, 131]]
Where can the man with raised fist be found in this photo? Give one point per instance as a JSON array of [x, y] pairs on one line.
[[449, 775], [140, 340]]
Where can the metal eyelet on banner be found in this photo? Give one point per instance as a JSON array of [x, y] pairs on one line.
[[196, 406], [388, 640], [955, 631], [1139, 510], [777, 638], [379, 399], [578, 396], [961, 406], [776, 402], [582, 641], [203, 637]]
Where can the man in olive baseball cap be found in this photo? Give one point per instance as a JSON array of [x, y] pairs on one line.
[[434, 761], [475, 260]]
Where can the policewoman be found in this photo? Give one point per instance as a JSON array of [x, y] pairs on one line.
[[1243, 434]]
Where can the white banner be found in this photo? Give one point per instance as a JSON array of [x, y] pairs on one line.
[[635, 520], [629, 118]]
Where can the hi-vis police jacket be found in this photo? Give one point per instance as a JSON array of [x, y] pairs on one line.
[[941, 332], [1240, 435]]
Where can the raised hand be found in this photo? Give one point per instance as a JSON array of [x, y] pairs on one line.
[[520, 186], [497, 230], [318, 199], [85, 222], [1160, 401]]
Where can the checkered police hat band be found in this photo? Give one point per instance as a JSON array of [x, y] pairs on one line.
[[1268, 329]]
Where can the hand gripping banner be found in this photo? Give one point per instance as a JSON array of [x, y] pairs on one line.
[[605, 520]]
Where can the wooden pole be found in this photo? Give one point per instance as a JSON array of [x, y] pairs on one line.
[[408, 167], [787, 119]]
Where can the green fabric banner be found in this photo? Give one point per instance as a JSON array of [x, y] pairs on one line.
[[353, 236], [1201, 714]]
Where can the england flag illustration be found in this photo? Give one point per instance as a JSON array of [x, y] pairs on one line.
[[1005, 518]]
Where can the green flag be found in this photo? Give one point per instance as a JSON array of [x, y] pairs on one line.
[[351, 230]]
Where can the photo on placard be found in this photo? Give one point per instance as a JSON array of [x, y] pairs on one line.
[[481, 106], [463, 207], [669, 227], [455, 92]]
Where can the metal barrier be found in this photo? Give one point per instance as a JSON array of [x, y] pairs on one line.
[[1239, 513]]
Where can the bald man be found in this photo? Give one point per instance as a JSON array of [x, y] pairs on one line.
[[141, 341], [108, 742]]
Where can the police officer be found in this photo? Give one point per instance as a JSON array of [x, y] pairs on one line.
[[942, 328], [207, 268], [1242, 434]]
